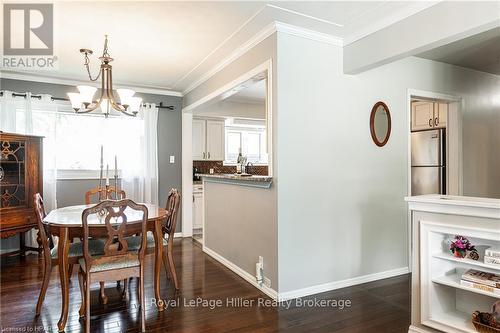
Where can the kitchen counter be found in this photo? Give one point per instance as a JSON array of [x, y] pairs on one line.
[[461, 205], [231, 178]]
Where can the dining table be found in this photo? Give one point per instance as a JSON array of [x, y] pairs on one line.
[[66, 223]]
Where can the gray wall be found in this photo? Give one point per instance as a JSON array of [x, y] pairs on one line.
[[240, 225], [350, 219], [71, 192]]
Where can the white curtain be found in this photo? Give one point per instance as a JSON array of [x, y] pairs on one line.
[[141, 183], [33, 116]]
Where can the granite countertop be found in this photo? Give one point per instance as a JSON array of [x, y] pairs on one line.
[[233, 176]]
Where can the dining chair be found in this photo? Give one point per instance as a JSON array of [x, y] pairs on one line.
[[104, 194], [117, 262], [49, 250], [168, 229]]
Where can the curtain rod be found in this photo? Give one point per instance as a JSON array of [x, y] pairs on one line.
[[159, 105]]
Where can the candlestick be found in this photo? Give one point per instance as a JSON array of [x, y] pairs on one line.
[[107, 176], [100, 174], [117, 197]]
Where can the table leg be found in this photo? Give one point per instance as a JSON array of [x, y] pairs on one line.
[[160, 303], [62, 258]]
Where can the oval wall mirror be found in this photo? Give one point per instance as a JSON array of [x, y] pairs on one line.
[[380, 124]]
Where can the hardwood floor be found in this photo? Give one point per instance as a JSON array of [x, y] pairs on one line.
[[381, 306]]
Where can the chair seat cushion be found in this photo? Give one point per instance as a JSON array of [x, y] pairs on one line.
[[124, 262], [134, 242], [96, 247]]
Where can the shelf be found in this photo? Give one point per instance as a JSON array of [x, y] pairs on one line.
[[455, 319], [453, 280], [467, 261]]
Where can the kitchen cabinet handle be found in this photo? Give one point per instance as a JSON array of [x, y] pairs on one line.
[[208, 155], [430, 122], [203, 155], [436, 121]]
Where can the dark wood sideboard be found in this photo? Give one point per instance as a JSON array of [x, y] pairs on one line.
[[21, 176]]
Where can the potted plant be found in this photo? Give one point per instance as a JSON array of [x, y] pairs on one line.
[[460, 246]]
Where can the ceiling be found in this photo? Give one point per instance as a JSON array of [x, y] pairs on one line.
[[170, 45], [251, 94], [480, 52]]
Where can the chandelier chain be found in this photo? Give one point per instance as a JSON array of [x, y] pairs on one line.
[[87, 66]]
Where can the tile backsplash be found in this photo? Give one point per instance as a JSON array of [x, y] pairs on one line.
[[205, 166]]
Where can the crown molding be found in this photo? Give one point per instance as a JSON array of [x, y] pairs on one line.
[[238, 52], [309, 34], [73, 82], [261, 36]]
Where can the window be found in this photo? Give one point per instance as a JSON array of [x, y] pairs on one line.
[[76, 139], [251, 141]]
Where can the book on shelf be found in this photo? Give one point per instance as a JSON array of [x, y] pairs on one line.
[[484, 278], [492, 260], [480, 286], [492, 252]]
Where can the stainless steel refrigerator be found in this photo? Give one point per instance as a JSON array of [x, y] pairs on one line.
[[428, 162]]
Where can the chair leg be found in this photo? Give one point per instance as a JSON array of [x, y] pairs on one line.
[[125, 289], [47, 268], [172, 268], [102, 293], [87, 303], [139, 291], [143, 307], [165, 263], [118, 284], [81, 281]]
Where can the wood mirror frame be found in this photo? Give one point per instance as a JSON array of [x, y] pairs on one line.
[[372, 124]]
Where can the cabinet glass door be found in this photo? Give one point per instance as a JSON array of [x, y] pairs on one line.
[[12, 174]]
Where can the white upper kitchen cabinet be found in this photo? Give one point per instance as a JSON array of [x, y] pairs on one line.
[[422, 115], [427, 115], [208, 139], [215, 140], [441, 114], [199, 139]]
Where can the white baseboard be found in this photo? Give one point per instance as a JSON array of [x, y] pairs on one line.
[[415, 329], [244, 274], [178, 235], [320, 288]]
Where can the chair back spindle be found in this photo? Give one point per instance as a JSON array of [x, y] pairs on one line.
[[116, 222], [173, 203]]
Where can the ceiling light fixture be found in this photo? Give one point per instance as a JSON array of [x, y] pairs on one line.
[[83, 102]]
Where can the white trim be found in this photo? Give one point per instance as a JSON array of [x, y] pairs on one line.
[[187, 173], [242, 273], [415, 329], [308, 34], [320, 288], [267, 65], [63, 174], [390, 19], [178, 235], [305, 15], [73, 82], [415, 93], [238, 52], [187, 138]]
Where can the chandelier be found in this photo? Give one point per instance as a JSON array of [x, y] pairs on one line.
[[83, 102]]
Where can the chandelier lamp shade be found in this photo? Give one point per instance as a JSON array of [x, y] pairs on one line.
[[83, 101]]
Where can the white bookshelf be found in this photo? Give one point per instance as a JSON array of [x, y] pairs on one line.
[[446, 305]]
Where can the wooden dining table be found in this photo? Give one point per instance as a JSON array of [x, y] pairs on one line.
[[66, 223]]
